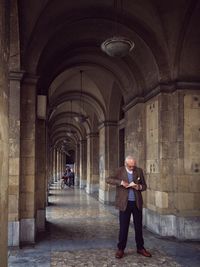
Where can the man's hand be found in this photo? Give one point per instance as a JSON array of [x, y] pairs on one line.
[[124, 184], [135, 186]]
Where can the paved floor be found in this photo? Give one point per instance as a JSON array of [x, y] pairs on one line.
[[83, 232]]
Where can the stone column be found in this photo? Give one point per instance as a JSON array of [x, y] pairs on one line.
[[50, 166], [59, 162], [77, 165], [92, 163], [41, 176], [55, 165], [83, 163], [14, 127], [14, 159], [60, 165], [172, 169], [4, 148], [108, 159], [27, 160], [63, 163], [50, 169]]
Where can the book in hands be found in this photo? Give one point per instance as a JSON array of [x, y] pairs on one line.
[[132, 184]]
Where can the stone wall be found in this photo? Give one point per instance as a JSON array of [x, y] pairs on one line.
[[135, 133]]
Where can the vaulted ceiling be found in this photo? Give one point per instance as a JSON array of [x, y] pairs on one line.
[[60, 41]]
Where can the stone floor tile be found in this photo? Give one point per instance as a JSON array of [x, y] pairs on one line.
[[83, 232], [105, 257]]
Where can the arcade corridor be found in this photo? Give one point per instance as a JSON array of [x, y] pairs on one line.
[[83, 232], [86, 83]]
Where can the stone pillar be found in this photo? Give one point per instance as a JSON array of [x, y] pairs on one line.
[[172, 154], [60, 165], [4, 148], [41, 176], [14, 127], [77, 166], [55, 165], [108, 159], [14, 159], [50, 166], [27, 160], [83, 163], [92, 163], [63, 163]]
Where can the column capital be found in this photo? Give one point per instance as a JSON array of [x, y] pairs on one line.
[[107, 124], [83, 141], [30, 78], [16, 75], [90, 135]]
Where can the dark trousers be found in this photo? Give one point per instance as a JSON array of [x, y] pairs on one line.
[[124, 221]]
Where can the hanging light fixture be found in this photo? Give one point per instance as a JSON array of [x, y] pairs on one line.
[[117, 46], [80, 117]]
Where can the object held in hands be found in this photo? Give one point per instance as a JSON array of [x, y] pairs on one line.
[[132, 184]]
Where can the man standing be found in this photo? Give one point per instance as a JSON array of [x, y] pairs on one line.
[[130, 182]]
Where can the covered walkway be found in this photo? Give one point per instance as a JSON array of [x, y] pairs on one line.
[[84, 84], [83, 232]]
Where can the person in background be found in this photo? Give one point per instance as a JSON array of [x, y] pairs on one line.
[[68, 176], [72, 177], [130, 182]]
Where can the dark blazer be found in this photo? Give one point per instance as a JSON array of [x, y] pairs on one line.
[[121, 198]]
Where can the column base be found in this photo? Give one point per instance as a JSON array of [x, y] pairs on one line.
[[183, 228], [76, 181], [82, 184], [92, 188], [40, 220], [27, 231], [106, 197], [13, 234]]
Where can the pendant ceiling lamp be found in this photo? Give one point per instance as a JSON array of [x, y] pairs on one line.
[[117, 46]]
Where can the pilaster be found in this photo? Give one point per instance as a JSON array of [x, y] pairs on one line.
[[172, 169], [27, 159], [83, 163], [41, 176], [14, 158], [92, 163], [4, 146], [77, 170], [108, 158]]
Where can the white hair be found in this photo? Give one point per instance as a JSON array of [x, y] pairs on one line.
[[129, 158]]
